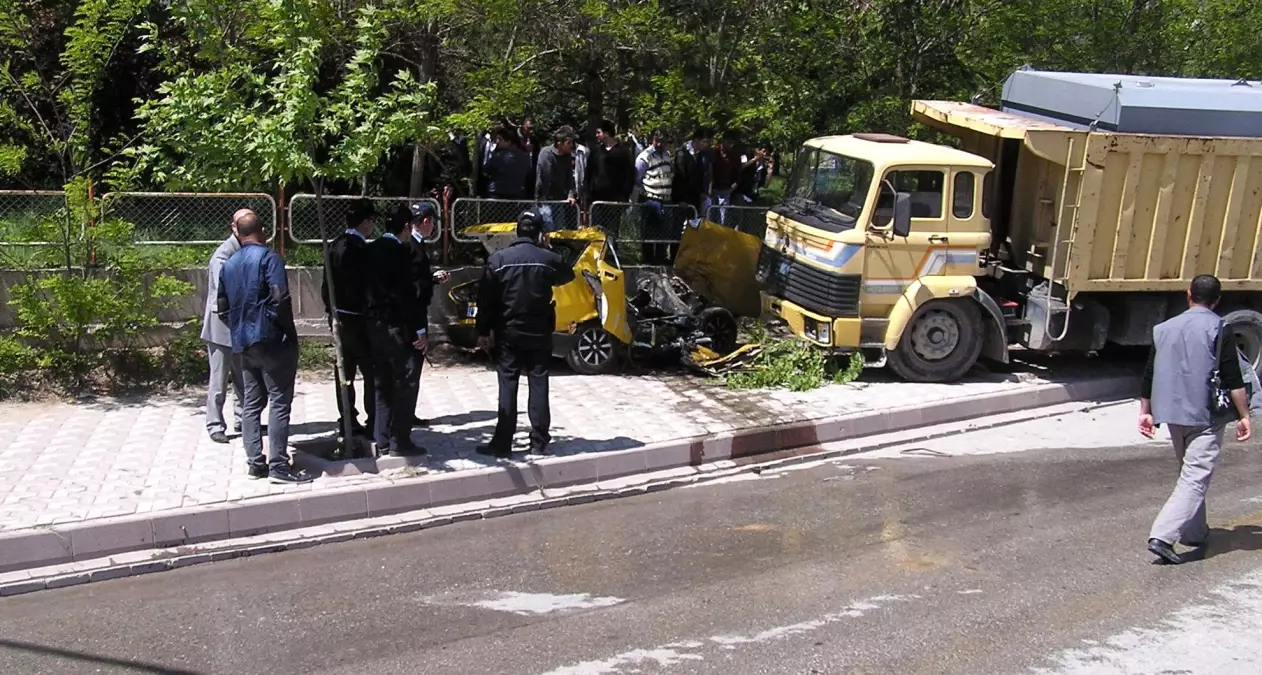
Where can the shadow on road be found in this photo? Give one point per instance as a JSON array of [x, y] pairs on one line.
[[1223, 541], [92, 658]]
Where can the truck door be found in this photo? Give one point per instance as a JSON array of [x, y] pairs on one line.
[[892, 263]]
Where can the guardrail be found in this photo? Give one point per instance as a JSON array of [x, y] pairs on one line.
[[468, 212], [304, 225], [174, 218]]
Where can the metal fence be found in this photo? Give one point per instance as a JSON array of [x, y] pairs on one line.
[[468, 212], [185, 217], [642, 223], [34, 217], [747, 219], [304, 224]]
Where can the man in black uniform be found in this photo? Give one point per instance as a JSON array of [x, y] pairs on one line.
[[424, 219], [516, 318], [398, 337], [346, 266]]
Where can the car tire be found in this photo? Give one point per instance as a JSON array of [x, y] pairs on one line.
[[594, 352], [1246, 325], [941, 343], [720, 326]]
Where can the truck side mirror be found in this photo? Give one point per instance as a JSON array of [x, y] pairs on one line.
[[902, 214]]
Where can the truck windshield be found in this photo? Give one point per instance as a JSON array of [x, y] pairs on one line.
[[835, 182]]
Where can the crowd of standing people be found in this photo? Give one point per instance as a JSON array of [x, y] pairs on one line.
[[513, 163]]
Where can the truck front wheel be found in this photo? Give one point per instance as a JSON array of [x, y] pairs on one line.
[[1246, 326], [941, 342]]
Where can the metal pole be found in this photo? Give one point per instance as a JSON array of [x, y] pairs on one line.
[[347, 437]]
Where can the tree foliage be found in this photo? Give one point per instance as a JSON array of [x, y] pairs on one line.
[[211, 94]]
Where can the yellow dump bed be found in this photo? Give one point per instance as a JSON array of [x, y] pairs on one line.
[[1101, 211]]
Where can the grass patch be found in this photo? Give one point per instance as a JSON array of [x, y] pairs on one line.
[[796, 365], [314, 355]]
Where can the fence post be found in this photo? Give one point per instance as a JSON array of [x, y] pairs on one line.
[[282, 218]]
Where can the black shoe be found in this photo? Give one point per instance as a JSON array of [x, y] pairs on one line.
[[494, 452], [539, 451], [218, 437], [258, 472], [419, 423], [289, 475], [407, 451], [1164, 551]]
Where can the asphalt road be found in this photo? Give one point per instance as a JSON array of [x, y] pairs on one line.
[[1024, 562]]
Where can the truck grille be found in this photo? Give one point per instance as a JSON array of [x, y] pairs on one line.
[[834, 295]]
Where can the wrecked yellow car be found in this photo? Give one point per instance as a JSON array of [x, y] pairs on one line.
[[598, 323]]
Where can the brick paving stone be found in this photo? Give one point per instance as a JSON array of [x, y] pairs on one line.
[[75, 461]]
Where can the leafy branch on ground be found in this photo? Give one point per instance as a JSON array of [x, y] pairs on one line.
[[793, 364]]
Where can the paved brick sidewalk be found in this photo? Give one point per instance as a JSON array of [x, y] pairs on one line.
[[71, 462]]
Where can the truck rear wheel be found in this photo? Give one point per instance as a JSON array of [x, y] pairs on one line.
[[1246, 326], [941, 342]]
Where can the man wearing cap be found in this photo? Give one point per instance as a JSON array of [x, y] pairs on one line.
[[424, 219], [347, 268], [397, 334], [516, 319]]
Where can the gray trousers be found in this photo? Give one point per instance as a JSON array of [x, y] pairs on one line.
[[224, 368], [1183, 516], [269, 371]]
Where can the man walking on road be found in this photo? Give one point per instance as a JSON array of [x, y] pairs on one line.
[[1177, 391], [347, 268], [225, 367], [516, 318], [399, 336], [254, 301]]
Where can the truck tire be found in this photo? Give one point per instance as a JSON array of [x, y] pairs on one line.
[[1246, 325], [595, 351], [941, 342]]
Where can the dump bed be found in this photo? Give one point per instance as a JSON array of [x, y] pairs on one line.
[[1115, 212]]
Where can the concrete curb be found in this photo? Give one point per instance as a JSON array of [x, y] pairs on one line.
[[139, 535]]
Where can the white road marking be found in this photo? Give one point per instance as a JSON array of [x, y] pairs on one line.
[[971, 591], [1222, 636], [677, 653], [526, 604]]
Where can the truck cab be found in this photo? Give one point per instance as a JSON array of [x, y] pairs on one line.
[[877, 247]]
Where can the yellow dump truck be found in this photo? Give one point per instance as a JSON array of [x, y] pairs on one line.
[[1034, 232]]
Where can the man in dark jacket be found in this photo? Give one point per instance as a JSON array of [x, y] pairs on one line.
[[691, 175], [508, 168], [254, 301], [398, 335], [516, 318], [348, 271], [554, 178], [425, 278], [611, 174]]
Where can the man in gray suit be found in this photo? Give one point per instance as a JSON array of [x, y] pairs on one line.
[[224, 366], [1176, 391]]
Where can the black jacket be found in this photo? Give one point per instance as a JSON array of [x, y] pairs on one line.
[[611, 173], [422, 274], [391, 288], [507, 173], [346, 266], [688, 179], [515, 294]]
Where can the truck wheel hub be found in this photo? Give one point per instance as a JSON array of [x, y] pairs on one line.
[[935, 336]]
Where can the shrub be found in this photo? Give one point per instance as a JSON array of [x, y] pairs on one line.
[[793, 364]]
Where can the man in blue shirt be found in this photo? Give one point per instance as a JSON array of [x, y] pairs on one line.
[[254, 301]]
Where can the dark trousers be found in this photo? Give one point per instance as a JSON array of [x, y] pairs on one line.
[[268, 371], [654, 231], [397, 372], [356, 356], [512, 360]]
